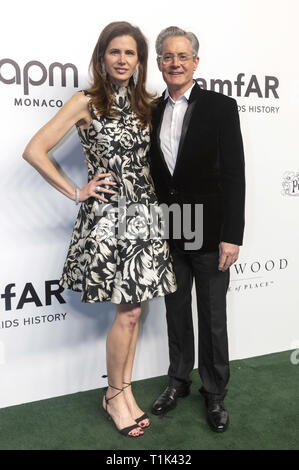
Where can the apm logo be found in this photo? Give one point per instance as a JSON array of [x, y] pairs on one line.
[[11, 73]]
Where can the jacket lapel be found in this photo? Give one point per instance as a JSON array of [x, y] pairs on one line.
[[185, 126], [194, 97], [160, 111]]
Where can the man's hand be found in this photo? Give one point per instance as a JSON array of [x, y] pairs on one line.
[[228, 255]]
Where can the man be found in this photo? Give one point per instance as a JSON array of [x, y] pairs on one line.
[[197, 158]]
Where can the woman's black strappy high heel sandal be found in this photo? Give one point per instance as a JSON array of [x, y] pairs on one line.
[[144, 416], [128, 429]]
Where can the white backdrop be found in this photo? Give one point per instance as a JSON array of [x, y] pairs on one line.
[[49, 348]]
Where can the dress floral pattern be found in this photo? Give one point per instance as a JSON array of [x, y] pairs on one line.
[[115, 254]]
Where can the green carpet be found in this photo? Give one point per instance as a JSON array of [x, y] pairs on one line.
[[262, 402]]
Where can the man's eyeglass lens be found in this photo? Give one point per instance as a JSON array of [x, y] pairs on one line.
[[167, 58]]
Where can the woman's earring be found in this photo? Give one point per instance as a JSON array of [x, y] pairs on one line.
[[135, 76], [104, 73]]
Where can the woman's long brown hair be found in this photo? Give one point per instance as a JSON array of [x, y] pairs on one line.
[[101, 90]]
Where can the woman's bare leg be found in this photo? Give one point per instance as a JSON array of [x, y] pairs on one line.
[[134, 408], [118, 346]]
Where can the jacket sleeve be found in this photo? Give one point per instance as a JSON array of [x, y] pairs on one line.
[[232, 174]]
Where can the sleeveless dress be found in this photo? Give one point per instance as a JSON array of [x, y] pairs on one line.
[[116, 252]]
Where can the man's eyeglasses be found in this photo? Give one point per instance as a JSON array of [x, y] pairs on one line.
[[168, 57]]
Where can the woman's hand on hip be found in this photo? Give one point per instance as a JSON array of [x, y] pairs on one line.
[[95, 186]]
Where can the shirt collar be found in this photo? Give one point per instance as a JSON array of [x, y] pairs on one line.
[[186, 94]]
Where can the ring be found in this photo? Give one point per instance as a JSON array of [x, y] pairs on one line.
[[98, 188]]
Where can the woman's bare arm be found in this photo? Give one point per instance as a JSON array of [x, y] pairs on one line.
[[35, 153]]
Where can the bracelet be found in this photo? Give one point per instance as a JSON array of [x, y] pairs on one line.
[[77, 195]]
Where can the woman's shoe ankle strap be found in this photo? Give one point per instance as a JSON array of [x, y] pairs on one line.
[[108, 399], [127, 384]]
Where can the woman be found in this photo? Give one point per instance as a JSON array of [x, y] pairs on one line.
[[113, 120]]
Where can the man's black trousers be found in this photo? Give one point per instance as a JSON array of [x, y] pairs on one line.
[[211, 288]]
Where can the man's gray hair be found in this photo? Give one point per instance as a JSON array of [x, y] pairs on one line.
[[175, 31]]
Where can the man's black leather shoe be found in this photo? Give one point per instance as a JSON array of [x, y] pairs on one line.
[[167, 400], [217, 415]]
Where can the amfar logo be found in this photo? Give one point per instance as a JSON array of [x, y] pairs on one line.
[[266, 88], [29, 295], [290, 184], [25, 76], [18, 299]]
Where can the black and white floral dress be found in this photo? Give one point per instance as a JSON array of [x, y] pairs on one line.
[[116, 252]]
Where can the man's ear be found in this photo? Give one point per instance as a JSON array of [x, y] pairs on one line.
[[159, 64], [196, 62]]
